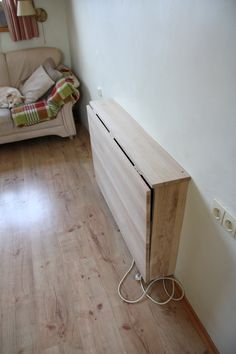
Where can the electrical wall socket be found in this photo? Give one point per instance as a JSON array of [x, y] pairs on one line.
[[99, 91], [224, 218], [229, 223], [218, 211]]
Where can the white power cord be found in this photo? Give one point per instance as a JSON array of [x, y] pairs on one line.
[[145, 289]]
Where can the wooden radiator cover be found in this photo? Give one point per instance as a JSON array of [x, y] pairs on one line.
[[144, 187]]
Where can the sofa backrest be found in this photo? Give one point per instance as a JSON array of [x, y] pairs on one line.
[[4, 77], [22, 63]]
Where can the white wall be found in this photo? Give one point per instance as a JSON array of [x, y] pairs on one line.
[[172, 65], [55, 29]]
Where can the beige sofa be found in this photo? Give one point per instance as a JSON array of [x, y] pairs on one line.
[[15, 67]]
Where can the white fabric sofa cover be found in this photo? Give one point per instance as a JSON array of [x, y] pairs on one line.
[[16, 66]]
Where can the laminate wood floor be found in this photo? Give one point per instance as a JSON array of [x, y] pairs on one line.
[[61, 258]]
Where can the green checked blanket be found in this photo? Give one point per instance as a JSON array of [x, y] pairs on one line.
[[64, 91]]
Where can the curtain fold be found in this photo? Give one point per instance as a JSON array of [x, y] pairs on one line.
[[20, 28]]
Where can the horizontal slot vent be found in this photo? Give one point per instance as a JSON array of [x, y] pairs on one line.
[[103, 123], [124, 152], [145, 181], [132, 163]]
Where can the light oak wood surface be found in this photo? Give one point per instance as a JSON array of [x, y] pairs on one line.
[[168, 212], [127, 195], [144, 187], [156, 171], [61, 258]]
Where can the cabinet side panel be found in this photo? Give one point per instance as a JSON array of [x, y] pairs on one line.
[[168, 211]]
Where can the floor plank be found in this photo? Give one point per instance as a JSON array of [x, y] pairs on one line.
[[61, 258]]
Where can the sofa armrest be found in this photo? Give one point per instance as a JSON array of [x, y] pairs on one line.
[[68, 118]]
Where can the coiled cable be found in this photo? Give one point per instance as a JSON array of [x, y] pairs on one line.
[[146, 287]]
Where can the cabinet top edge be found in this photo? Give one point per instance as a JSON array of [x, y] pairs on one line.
[[154, 162]]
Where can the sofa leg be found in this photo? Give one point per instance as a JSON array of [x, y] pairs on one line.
[[71, 137]]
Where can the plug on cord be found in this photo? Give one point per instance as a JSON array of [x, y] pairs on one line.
[[138, 276]]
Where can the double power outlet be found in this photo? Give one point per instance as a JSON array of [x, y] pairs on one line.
[[224, 217]]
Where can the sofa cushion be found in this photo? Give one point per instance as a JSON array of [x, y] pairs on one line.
[[22, 63], [36, 85], [6, 122], [50, 68]]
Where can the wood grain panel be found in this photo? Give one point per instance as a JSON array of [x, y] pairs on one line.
[[125, 191], [123, 148], [168, 211], [141, 148], [135, 243], [132, 189]]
